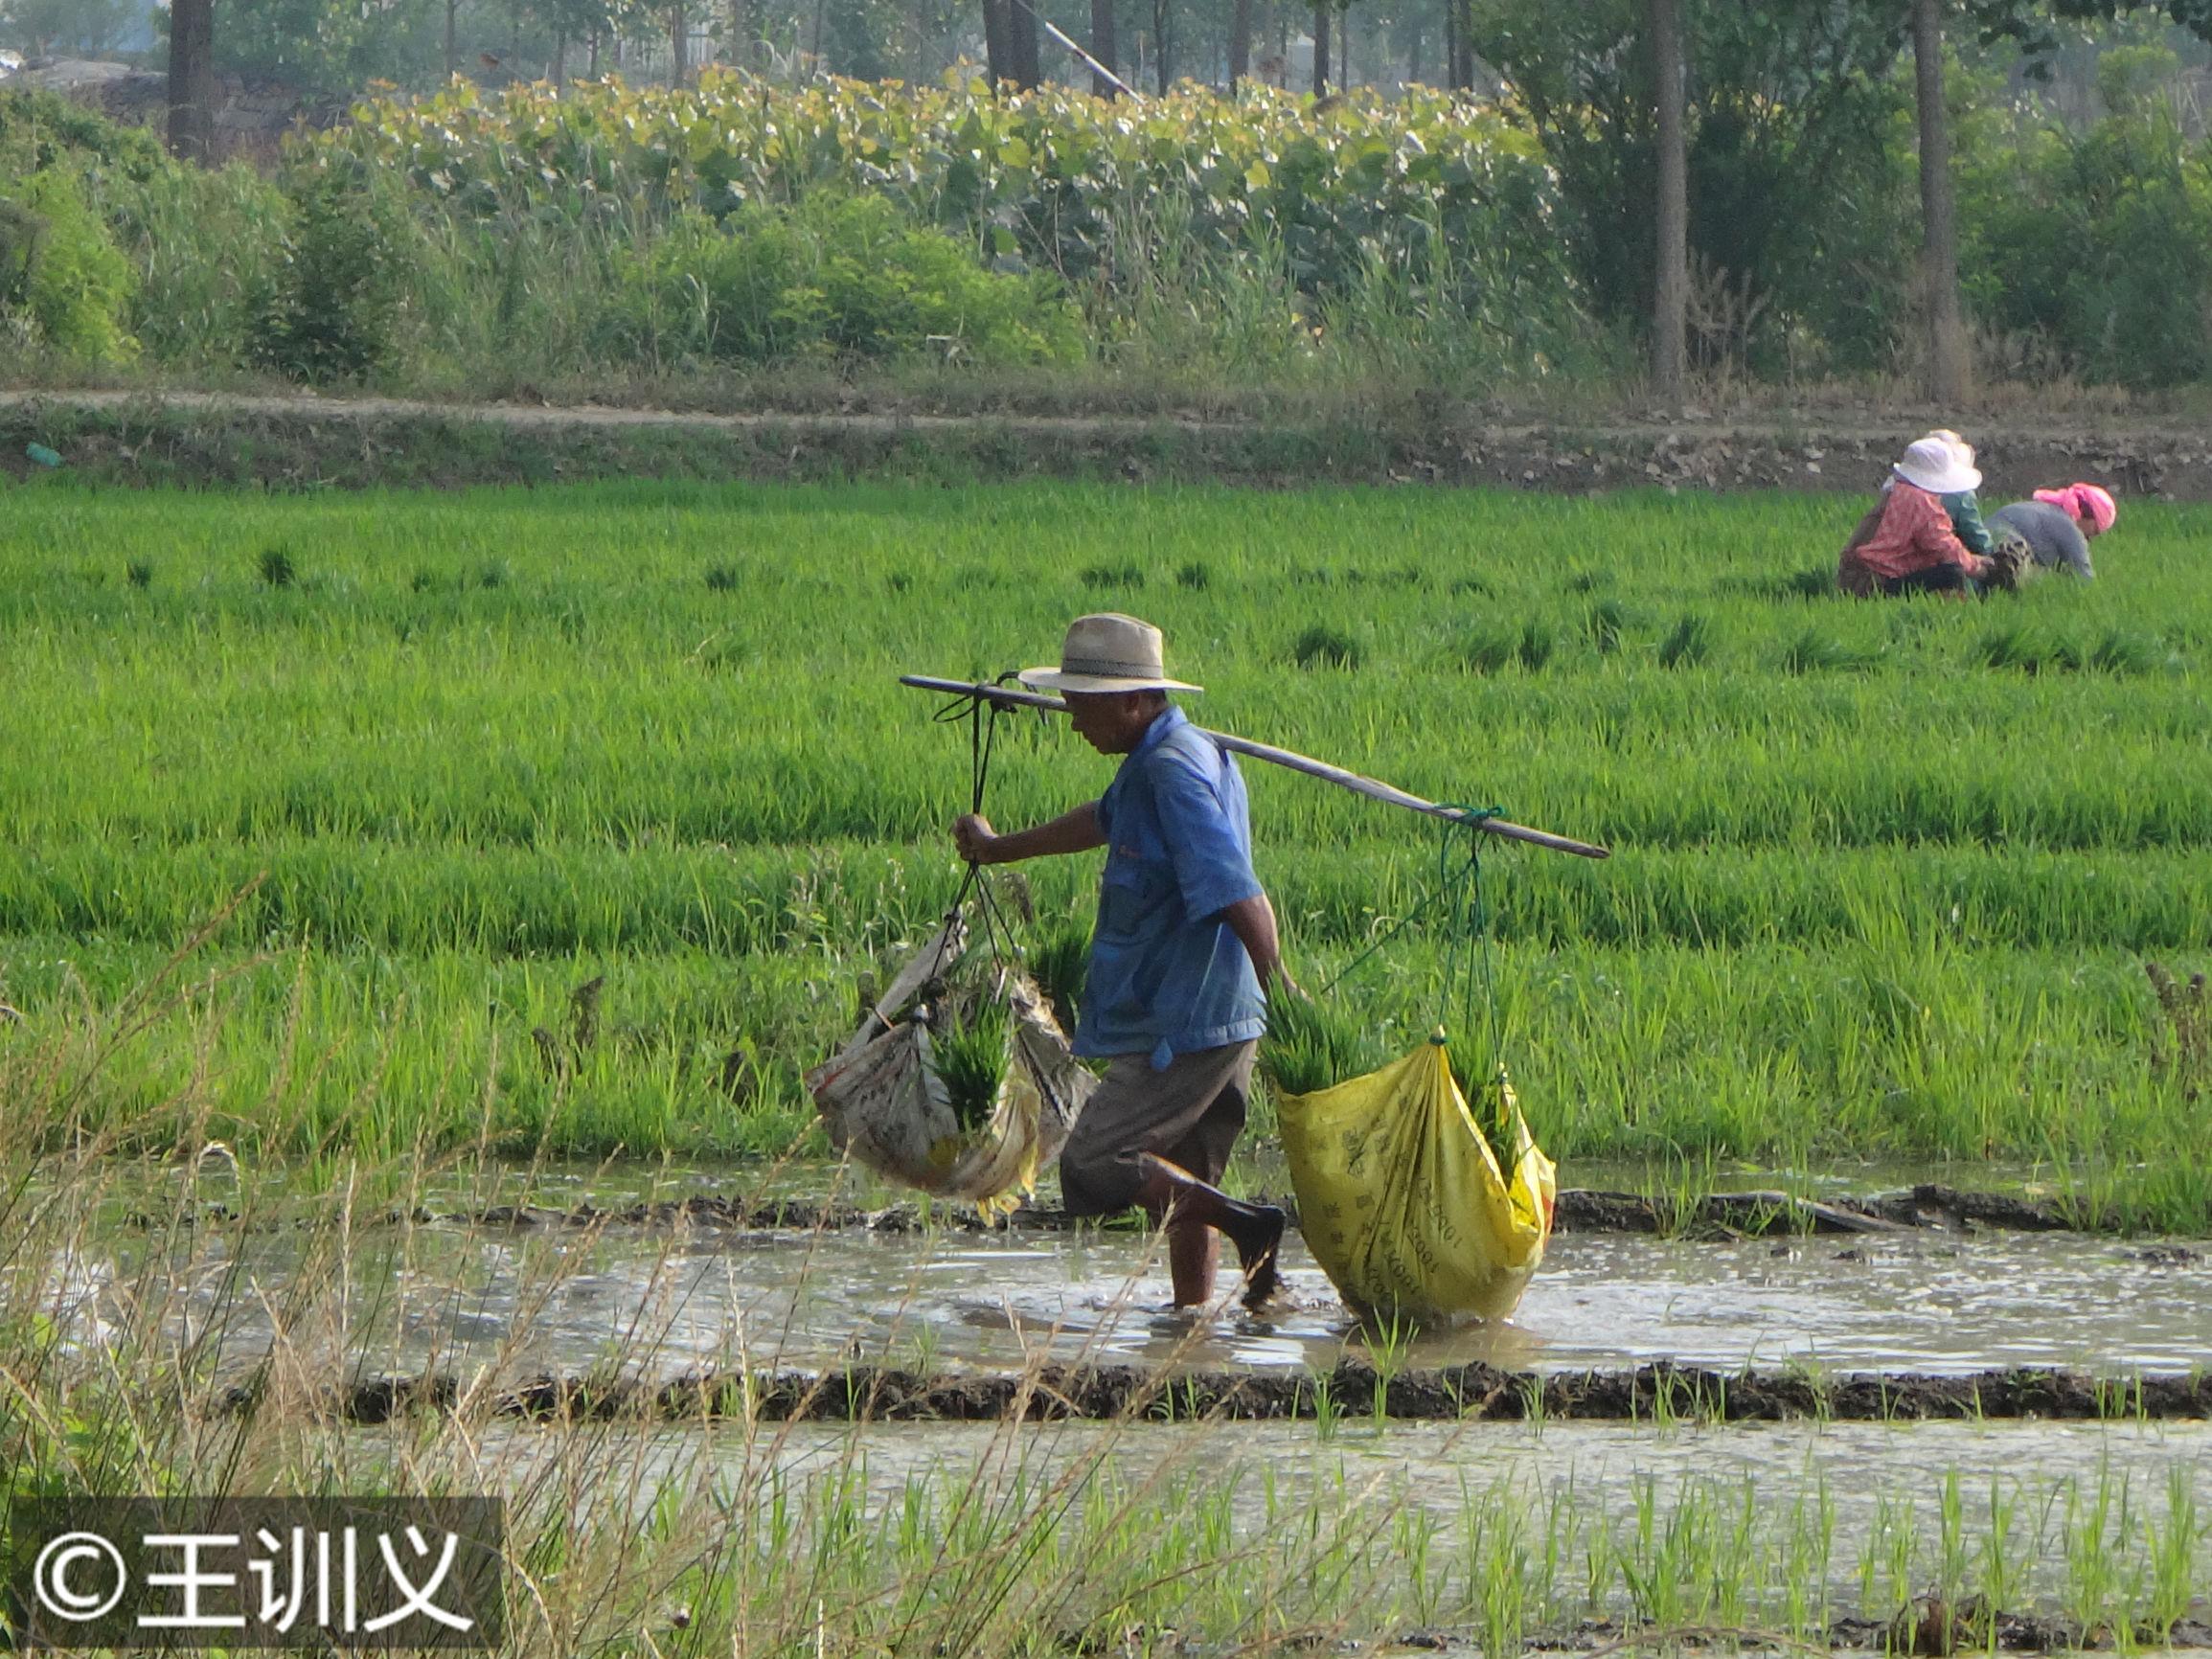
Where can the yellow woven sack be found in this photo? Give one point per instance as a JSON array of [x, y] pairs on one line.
[[1402, 1201]]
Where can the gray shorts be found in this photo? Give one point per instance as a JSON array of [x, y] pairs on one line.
[[1190, 1114]]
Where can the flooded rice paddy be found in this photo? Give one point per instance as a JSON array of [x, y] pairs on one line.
[[461, 1297]]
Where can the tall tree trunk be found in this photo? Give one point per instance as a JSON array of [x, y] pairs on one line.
[[1163, 48], [1103, 44], [560, 60], [741, 34], [1452, 42], [1671, 278], [1021, 41], [192, 89], [1951, 371], [1320, 47], [679, 46], [452, 59], [998, 50], [591, 61], [1240, 42], [1344, 42]]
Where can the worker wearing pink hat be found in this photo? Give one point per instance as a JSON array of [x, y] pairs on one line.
[[2058, 525]]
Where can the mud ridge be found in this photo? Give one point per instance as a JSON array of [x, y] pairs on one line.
[[1712, 1215], [1655, 1393]]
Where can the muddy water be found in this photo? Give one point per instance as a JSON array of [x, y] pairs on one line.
[[560, 1300]]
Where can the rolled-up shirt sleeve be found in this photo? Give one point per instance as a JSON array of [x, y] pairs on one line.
[[1212, 866]]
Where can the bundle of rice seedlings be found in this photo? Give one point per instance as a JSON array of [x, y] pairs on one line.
[[1059, 965], [970, 1048], [1481, 1079], [1309, 1047]]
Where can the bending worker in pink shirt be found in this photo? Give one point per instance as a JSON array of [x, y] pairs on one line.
[[1907, 545]]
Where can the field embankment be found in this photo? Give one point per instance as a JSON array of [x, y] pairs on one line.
[[957, 434]]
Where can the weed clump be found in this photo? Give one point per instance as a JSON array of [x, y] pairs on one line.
[[2121, 652], [1814, 652], [2183, 1052], [276, 566], [140, 573], [1686, 645], [1322, 646], [1127, 574], [1607, 622], [1198, 576], [1488, 653], [723, 577], [1535, 648]]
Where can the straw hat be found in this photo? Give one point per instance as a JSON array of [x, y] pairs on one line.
[[1938, 467], [1107, 652]]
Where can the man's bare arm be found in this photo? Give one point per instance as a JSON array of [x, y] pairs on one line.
[[1253, 921], [1076, 831]]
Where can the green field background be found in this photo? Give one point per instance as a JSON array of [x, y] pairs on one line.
[[1885, 874]]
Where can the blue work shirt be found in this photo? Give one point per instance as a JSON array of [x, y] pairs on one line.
[[1166, 975]]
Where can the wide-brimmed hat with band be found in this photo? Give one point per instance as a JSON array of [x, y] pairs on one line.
[[1938, 467], [1107, 652]]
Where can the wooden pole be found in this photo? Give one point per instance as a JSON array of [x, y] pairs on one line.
[[1374, 790]]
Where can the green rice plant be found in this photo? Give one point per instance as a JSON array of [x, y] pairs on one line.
[[140, 572], [1687, 645], [1196, 575], [2173, 1550], [275, 567], [722, 577]]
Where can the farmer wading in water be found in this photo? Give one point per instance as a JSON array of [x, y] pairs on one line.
[[1184, 949]]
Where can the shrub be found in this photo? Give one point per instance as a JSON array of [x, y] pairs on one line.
[[332, 310], [62, 279], [41, 131], [838, 277]]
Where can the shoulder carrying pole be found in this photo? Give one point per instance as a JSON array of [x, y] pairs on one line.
[[1296, 762]]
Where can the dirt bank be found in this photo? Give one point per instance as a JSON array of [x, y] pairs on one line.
[[304, 442]]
